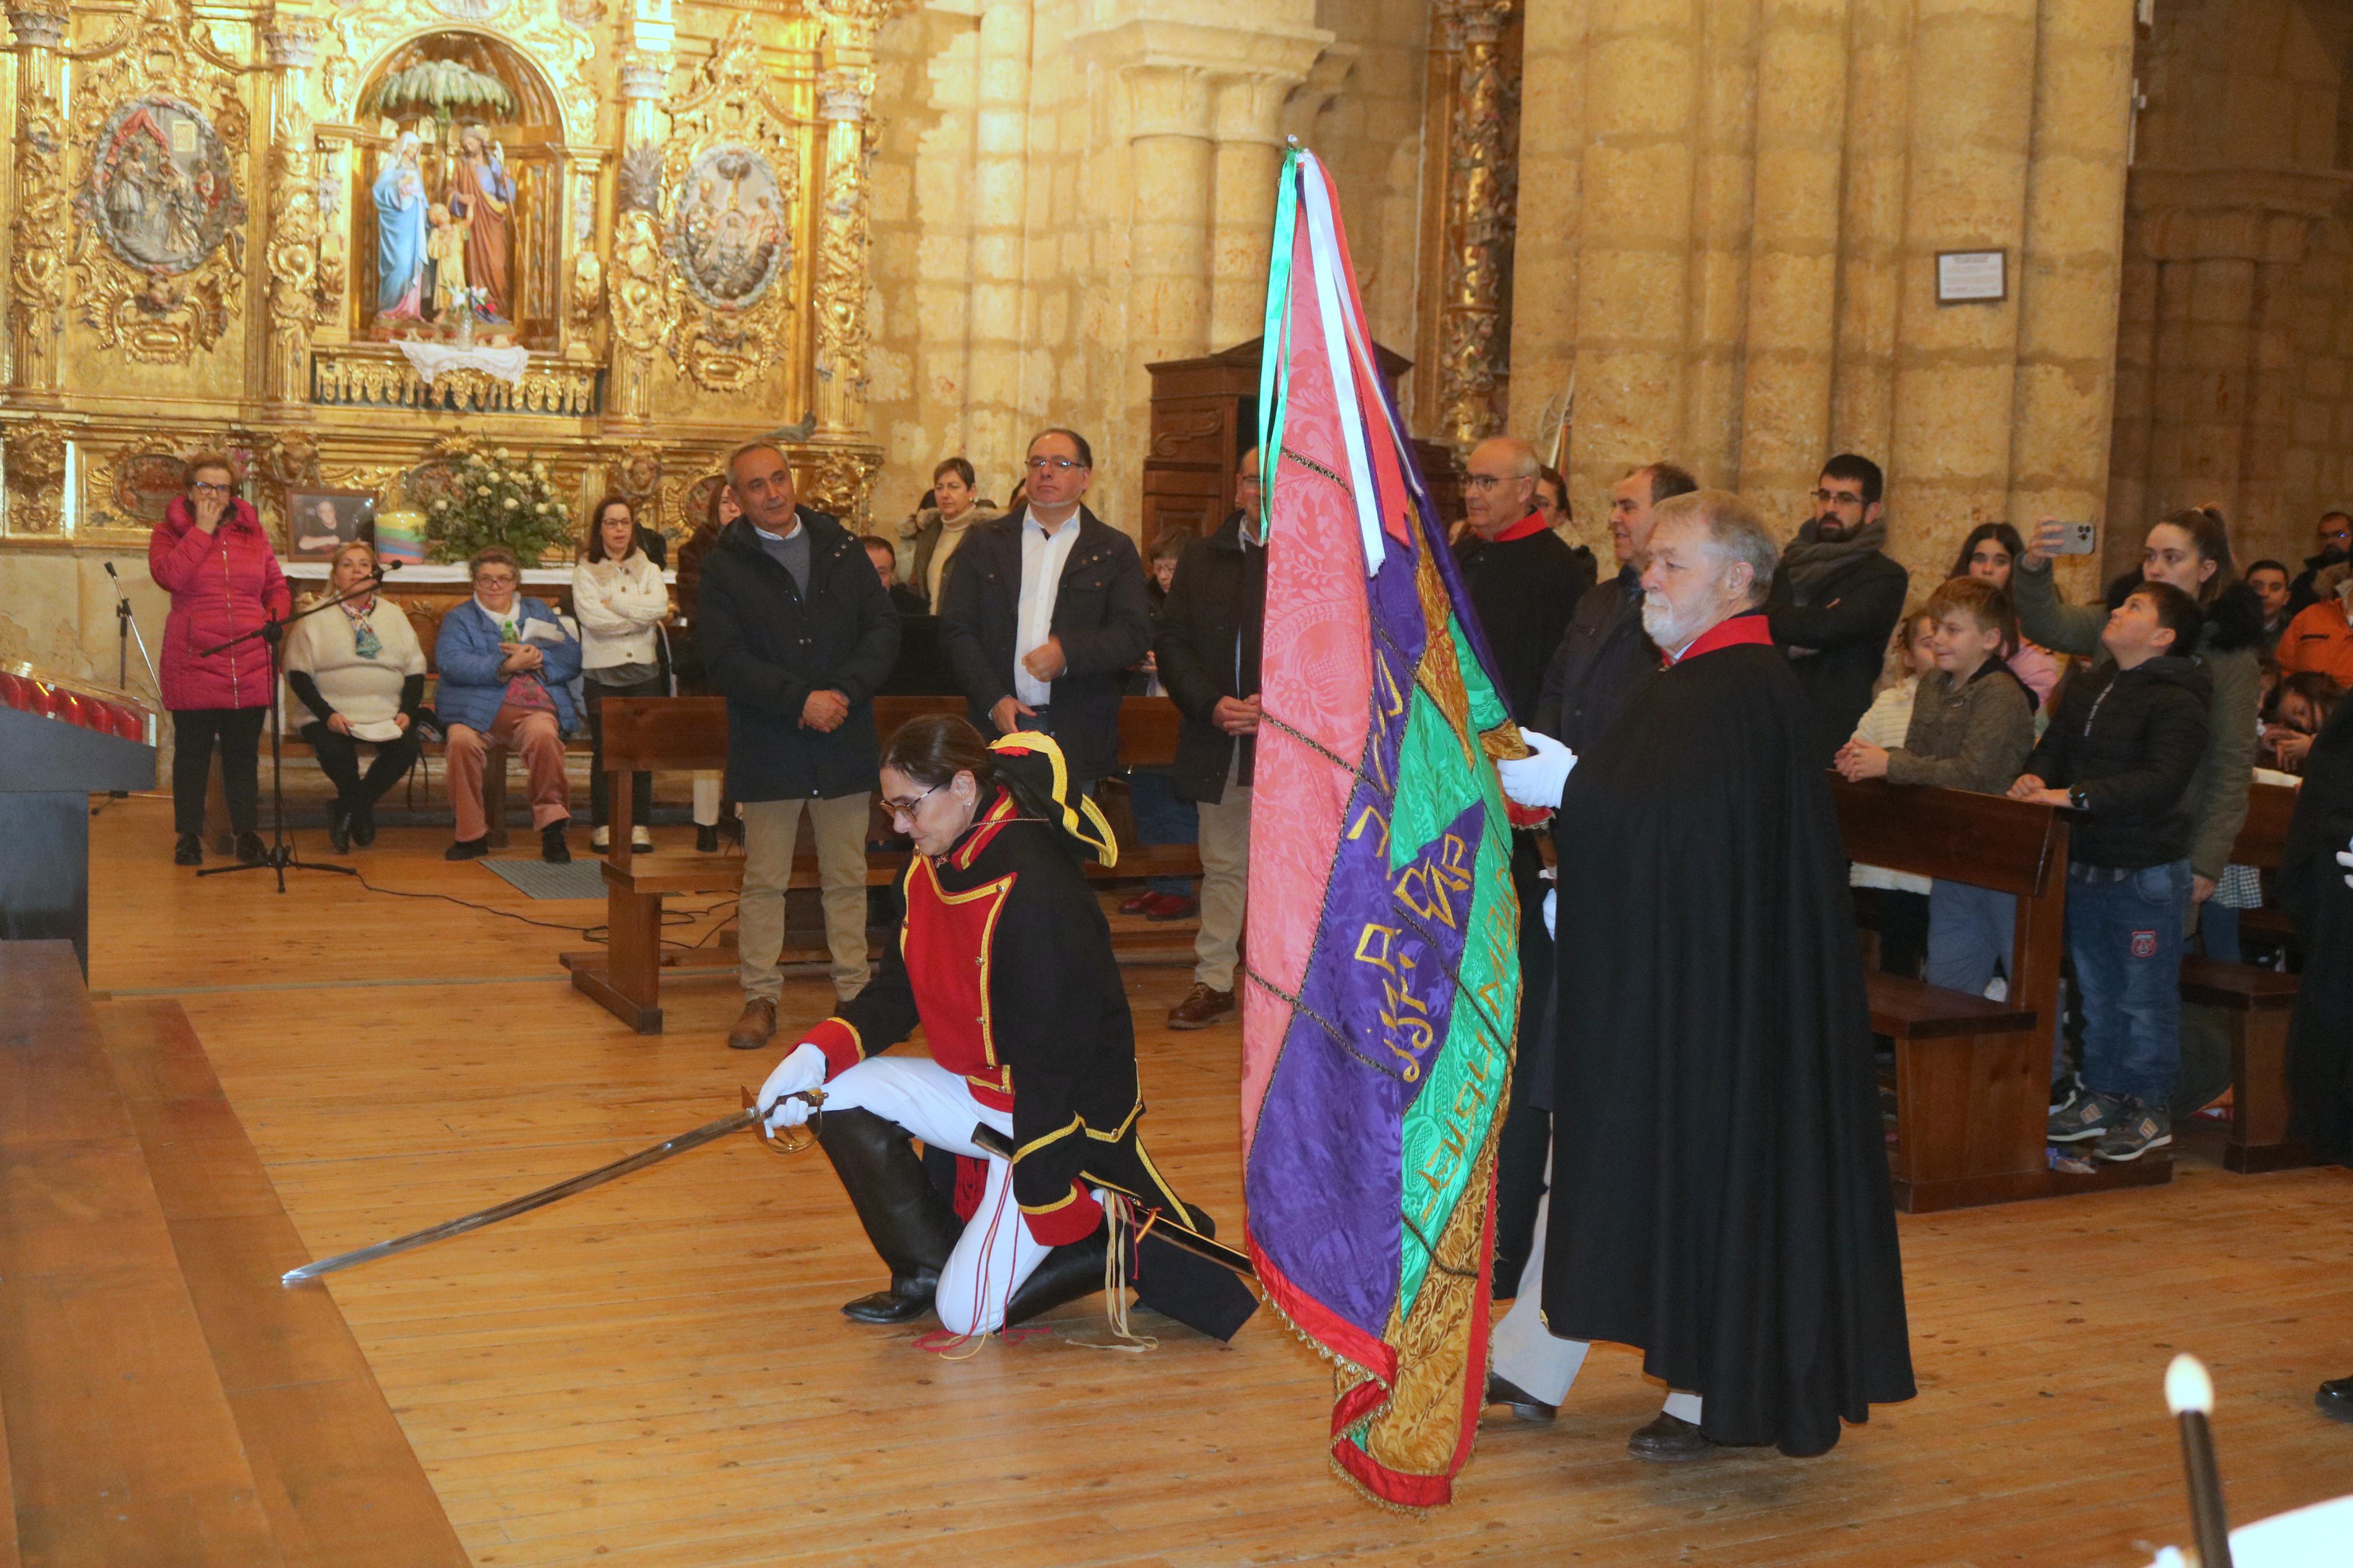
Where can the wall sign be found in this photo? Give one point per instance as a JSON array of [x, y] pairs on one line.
[[1972, 277]]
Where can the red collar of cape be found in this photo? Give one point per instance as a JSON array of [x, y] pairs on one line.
[[1532, 523], [1746, 629]]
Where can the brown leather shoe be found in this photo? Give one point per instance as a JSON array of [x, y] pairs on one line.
[[1200, 1008], [754, 1027], [1670, 1440]]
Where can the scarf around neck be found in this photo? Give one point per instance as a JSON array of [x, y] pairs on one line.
[[1811, 559]]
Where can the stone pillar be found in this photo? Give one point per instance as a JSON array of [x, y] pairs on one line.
[[1544, 247], [1801, 80], [634, 288], [37, 229], [291, 42], [1641, 107], [2068, 281], [1249, 163], [998, 412], [1870, 227], [1168, 226], [1949, 458], [1474, 310], [1722, 211]]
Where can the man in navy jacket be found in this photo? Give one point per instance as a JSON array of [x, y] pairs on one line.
[[797, 633]]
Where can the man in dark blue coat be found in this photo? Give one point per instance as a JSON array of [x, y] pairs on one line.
[[1045, 612], [797, 633]]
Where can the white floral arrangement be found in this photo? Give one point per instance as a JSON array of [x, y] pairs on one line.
[[499, 499]]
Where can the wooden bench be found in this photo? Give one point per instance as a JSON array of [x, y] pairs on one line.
[[690, 732], [1973, 1077], [2254, 1005]]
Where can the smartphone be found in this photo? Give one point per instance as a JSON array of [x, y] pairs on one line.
[[2077, 539]]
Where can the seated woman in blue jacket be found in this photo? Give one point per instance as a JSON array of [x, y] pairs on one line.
[[506, 662]]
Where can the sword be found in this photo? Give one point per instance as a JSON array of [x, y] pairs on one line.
[[750, 1117], [1178, 1233]]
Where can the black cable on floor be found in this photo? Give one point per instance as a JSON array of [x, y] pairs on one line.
[[590, 933]]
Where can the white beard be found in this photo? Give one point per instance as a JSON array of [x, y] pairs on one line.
[[1668, 630]]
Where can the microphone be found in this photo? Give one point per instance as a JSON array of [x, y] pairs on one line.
[[110, 569]]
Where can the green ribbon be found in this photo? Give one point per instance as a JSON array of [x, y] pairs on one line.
[[1275, 353]]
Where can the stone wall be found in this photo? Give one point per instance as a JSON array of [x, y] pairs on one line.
[[1730, 221], [1066, 191]]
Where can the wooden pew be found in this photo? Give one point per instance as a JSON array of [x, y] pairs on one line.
[[2255, 1005], [690, 732], [1973, 1077]]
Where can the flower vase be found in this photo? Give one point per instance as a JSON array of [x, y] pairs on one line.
[[465, 329]]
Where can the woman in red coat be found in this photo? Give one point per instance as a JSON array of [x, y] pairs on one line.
[[211, 555]]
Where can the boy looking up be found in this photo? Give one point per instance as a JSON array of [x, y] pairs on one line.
[[1972, 727], [2122, 749]]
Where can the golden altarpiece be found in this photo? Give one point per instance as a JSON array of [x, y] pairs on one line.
[[350, 240]]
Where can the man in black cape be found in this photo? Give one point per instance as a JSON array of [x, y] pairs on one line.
[[2315, 888], [1720, 1192]]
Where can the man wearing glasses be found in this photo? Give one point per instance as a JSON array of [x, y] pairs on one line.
[[1046, 611], [1837, 598]]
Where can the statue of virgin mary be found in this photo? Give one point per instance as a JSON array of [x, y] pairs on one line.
[[400, 233]]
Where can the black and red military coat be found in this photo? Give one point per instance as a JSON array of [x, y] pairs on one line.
[[1003, 958]]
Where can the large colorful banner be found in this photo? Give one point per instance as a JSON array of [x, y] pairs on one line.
[[1383, 984]]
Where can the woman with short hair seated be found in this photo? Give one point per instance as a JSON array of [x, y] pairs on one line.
[[359, 671], [506, 662]]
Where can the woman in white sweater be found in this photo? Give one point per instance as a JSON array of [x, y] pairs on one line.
[[619, 598], [360, 673]]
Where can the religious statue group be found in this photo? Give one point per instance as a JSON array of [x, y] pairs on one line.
[[438, 255]]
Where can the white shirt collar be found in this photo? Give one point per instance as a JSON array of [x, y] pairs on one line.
[[779, 538]]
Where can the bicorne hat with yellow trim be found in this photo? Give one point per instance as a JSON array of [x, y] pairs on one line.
[[1031, 763]]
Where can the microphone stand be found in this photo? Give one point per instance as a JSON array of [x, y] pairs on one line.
[[281, 853], [126, 628]]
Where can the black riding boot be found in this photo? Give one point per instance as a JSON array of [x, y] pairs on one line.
[[1071, 1271], [912, 1227]]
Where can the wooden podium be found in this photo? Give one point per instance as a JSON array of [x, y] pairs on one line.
[[1204, 416], [61, 741]]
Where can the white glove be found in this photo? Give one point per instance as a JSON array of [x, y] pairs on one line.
[[1552, 901], [803, 1068], [1536, 780], [2345, 860]]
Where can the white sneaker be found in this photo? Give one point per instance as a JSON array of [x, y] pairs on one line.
[[641, 839], [601, 839]]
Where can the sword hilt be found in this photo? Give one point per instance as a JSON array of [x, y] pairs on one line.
[[786, 1143]]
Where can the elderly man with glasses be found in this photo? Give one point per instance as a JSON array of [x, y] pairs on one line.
[[1046, 611], [1837, 598]]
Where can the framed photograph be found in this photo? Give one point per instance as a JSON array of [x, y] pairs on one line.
[[1972, 277], [320, 522]]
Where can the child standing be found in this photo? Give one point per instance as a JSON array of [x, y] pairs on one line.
[[1972, 726], [2122, 751], [1902, 899]]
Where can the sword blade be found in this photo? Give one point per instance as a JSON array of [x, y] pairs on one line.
[[1178, 1232], [708, 1134]]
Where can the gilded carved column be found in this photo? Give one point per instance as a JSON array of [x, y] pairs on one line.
[[844, 93], [633, 283], [1474, 317], [37, 230], [292, 44]]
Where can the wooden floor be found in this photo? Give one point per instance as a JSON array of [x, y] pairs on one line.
[[656, 1373]]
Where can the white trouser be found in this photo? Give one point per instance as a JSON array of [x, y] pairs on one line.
[[706, 799], [997, 1252], [1525, 1354]]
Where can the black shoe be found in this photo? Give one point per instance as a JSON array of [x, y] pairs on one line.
[[249, 850], [339, 827], [2336, 1399], [1525, 1405], [706, 840], [363, 823], [189, 851], [468, 849], [907, 1299], [1670, 1440], [551, 847]]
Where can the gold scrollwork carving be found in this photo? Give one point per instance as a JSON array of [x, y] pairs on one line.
[[292, 255], [844, 478], [1474, 332], [361, 379], [36, 271], [37, 475], [638, 474], [730, 182], [159, 242], [843, 338], [587, 288], [362, 31]]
